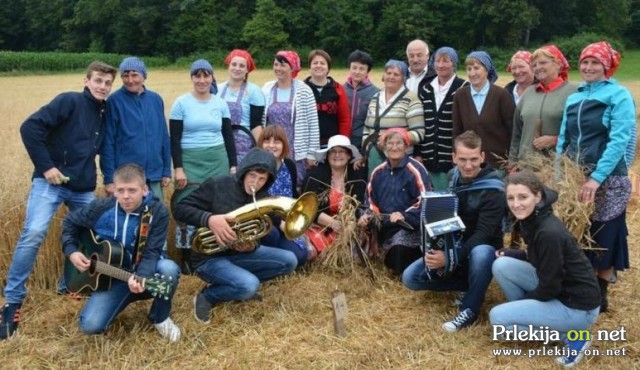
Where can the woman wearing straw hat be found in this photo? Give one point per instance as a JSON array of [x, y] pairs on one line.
[[332, 180], [485, 108], [245, 101], [538, 115], [202, 144], [599, 132]]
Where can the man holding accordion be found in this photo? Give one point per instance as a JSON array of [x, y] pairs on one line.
[[460, 260]]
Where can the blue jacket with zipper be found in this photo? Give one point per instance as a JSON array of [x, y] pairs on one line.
[[66, 134]]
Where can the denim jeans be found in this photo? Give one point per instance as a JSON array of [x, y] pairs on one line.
[[42, 205], [516, 278], [475, 280], [275, 238], [238, 277], [103, 306]]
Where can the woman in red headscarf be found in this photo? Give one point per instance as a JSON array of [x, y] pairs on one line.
[[245, 101], [290, 103], [599, 132], [520, 69], [539, 112]]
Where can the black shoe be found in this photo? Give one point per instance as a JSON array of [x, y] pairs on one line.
[[9, 320], [604, 287], [464, 318], [202, 309]]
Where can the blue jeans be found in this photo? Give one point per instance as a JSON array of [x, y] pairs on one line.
[[238, 277], [475, 280], [516, 278], [275, 238], [103, 306], [43, 203]]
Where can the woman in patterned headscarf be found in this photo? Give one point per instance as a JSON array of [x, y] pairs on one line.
[[290, 103], [485, 108], [599, 132], [520, 68], [539, 112]]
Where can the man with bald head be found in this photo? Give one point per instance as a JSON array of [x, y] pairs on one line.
[[418, 59]]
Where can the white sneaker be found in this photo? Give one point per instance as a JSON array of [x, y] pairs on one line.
[[169, 330]]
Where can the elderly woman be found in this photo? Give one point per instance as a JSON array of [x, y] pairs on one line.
[[331, 99], [202, 142], [551, 284], [520, 68], [245, 101], [598, 131], [539, 113], [393, 107], [484, 108], [436, 95], [333, 179], [359, 91], [393, 196], [291, 104]]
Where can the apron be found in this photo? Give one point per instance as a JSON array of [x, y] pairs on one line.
[[241, 135], [281, 113]]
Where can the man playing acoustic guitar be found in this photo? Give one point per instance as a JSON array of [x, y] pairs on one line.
[[138, 221]]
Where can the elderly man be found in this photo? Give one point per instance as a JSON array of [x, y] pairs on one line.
[[418, 58], [136, 130]]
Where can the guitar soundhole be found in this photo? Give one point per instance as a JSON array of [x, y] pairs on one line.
[[92, 266]]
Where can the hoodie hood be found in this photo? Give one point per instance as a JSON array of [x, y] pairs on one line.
[[257, 159]]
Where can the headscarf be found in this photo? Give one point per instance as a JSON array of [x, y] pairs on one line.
[[201, 64], [559, 57], [522, 55], [397, 130], [448, 51], [293, 60], [605, 54], [402, 65], [485, 59], [242, 54]]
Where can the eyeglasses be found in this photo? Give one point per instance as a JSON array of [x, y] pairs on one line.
[[338, 151], [397, 144]]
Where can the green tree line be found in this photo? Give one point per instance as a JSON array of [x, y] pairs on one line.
[[177, 28]]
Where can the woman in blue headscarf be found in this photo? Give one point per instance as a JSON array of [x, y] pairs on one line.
[[393, 106], [484, 108], [437, 95]]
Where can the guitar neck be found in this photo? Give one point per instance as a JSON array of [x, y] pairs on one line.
[[115, 272]]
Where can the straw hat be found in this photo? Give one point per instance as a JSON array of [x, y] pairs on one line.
[[341, 141]]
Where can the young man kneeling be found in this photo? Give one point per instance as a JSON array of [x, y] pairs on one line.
[[121, 218]]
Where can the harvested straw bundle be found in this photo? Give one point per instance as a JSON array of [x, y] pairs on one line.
[[565, 177]]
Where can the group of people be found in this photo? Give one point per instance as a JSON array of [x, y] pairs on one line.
[[425, 129]]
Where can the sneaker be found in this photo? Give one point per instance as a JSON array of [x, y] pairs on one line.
[[169, 330], [9, 320], [202, 309], [463, 319], [576, 350]]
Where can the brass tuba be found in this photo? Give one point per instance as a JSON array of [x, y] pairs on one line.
[[252, 222]]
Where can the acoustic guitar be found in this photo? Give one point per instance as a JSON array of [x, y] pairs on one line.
[[106, 258]]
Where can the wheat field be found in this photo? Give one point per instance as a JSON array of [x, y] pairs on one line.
[[388, 327]]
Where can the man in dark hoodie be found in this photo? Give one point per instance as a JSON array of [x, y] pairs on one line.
[[237, 273], [62, 139], [482, 206]]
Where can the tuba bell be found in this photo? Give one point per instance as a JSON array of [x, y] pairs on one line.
[[252, 222]]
